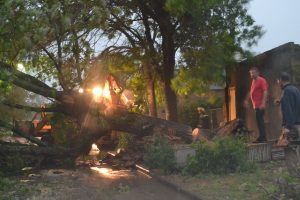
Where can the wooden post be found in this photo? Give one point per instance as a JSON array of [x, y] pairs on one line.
[[259, 152]]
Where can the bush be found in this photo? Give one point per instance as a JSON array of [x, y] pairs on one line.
[[226, 155], [160, 155]]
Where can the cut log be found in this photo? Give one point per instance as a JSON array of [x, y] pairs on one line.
[[235, 127], [259, 152]]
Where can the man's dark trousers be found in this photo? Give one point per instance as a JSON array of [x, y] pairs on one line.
[[259, 114]]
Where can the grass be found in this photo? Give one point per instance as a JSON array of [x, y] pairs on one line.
[[12, 187], [260, 184], [5, 183]]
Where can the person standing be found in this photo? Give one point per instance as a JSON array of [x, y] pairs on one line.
[[290, 107], [258, 96]]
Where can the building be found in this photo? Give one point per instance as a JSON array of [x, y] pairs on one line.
[[270, 63]]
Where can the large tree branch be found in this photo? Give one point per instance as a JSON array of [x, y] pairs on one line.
[[120, 119], [76, 52], [130, 38], [150, 41], [132, 31], [36, 89], [61, 77], [23, 76], [27, 82], [30, 108], [50, 55]]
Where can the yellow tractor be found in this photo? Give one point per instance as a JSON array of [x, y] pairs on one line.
[[39, 127]]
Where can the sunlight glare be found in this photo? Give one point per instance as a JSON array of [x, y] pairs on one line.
[[97, 91], [20, 67], [80, 90]]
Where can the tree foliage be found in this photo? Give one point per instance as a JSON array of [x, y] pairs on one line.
[[203, 36], [211, 35], [53, 38]]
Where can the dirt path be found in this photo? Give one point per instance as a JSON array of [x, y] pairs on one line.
[[90, 184]]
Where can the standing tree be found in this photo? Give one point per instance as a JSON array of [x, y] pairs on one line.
[[203, 35]]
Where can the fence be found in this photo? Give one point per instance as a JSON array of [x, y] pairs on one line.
[[215, 117]]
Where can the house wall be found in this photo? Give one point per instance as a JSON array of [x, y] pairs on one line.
[[271, 64]]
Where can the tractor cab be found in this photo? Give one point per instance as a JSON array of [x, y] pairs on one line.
[[39, 126]]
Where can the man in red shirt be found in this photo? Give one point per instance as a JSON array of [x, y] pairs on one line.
[[258, 95]]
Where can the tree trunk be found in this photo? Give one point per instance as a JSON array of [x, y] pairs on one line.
[[168, 71], [150, 89], [140, 125], [170, 101]]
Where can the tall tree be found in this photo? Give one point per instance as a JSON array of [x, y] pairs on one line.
[[137, 32], [204, 34]]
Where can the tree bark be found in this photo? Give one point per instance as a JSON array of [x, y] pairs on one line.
[[140, 125], [170, 101], [168, 49], [168, 74], [150, 89], [27, 82], [30, 108], [156, 11]]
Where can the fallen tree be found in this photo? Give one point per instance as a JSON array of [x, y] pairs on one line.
[[95, 119]]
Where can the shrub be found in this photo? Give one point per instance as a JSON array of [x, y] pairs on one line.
[[226, 155], [160, 155]]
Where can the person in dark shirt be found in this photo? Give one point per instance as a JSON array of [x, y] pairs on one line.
[[290, 107]]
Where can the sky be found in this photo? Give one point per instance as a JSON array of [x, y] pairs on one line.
[[280, 20]]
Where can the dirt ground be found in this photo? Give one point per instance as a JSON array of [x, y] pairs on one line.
[[91, 184]]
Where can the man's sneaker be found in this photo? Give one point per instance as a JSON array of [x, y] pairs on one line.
[[260, 140]]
